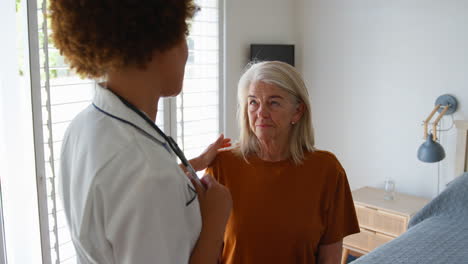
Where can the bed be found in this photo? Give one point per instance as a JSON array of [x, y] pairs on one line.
[[438, 233]]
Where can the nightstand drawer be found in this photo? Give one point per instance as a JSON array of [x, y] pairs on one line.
[[366, 240], [381, 221]]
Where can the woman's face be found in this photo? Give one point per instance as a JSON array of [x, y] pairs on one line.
[[271, 111]]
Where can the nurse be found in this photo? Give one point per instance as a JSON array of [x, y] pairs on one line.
[[126, 199]]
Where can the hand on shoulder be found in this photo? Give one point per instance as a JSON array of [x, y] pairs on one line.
[[209, 154]]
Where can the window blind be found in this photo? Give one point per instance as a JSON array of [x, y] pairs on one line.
[[198, 119], [192, 117]]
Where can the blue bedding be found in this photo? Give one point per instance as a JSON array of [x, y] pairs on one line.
[[438, 233]]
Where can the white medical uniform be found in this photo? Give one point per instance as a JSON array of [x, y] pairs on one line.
[[126, 199]]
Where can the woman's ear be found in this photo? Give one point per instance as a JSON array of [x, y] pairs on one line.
[[298, 113]]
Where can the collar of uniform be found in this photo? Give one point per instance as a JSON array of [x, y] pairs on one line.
[[109, 102]]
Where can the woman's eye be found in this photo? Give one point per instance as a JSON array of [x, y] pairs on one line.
[[252, 102], [274, 103]]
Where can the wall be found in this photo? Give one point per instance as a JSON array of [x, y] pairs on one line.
[[248, 22], [375, 69]]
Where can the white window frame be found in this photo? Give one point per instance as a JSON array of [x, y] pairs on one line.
[[221, 66], [36, 101], [20, 216], [2, 231]]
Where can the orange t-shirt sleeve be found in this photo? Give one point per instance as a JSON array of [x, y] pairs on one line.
[[341, 217]]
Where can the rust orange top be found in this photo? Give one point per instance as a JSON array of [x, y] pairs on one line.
[[282, 212]]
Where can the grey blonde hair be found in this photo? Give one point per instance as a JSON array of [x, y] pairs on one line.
[[286, 77]]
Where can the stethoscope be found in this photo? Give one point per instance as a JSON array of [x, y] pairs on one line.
[[171, 142]]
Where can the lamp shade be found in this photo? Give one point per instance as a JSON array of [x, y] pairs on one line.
[[431, 151]]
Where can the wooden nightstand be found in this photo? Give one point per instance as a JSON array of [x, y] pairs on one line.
[[380, 220]]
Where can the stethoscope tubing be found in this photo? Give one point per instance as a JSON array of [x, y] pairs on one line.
[[170, 141]]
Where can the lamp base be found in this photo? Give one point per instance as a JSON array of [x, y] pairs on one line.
[[445, 100]]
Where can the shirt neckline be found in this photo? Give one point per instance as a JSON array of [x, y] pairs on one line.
[[254, 159], [106, 100]]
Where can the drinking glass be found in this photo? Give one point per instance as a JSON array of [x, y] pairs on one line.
[[389, 189]]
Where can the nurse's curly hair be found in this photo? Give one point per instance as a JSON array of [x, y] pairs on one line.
[[96, 36]]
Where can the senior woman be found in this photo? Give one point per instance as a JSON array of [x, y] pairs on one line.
[[291, 202]]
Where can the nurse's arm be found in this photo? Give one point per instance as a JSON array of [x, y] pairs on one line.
[[330, 254], [215, 207], [207, 250]]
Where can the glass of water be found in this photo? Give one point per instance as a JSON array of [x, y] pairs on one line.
[[389, 189]]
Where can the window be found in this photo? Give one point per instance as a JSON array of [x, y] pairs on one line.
[[198, 122], [193, 117], [18, 71]]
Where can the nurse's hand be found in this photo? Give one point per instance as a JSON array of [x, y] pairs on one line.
[[209, 154], [215, 206]]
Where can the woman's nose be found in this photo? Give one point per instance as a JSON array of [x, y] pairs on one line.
[[263, 111]]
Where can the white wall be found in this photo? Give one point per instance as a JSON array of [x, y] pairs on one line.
[[375, 69], [248, 22]]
